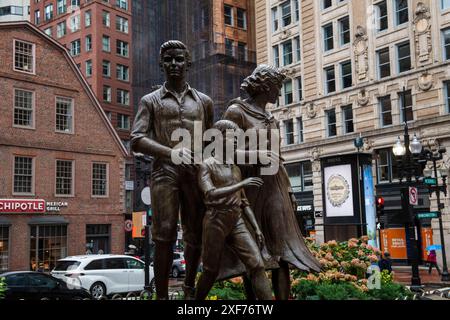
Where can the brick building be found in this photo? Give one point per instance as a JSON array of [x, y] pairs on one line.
[[14, 10], [347, 63], [59, 152], [98, 35]]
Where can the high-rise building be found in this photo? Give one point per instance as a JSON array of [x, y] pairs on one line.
[[220, 35], [14, 10], [97, 34], [347, 63]]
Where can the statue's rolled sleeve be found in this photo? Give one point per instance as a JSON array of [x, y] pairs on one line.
[[142, 122]]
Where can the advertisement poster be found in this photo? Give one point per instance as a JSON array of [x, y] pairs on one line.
[[369, 204], [338, 191]]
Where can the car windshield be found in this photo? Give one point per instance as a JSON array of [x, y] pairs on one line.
[[66, 265]]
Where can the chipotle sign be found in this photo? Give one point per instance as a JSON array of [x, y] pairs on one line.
[[22, 206]]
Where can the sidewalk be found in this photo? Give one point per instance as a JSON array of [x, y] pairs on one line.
[[402, 274]]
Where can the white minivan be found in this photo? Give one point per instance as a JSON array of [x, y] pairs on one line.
[[103, 274]]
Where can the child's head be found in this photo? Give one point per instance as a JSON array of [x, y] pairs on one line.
[[224, 125]]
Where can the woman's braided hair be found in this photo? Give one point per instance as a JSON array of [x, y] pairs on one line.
[[261, 78]]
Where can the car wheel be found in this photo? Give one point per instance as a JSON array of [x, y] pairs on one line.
[[98, 291], [175, 272]]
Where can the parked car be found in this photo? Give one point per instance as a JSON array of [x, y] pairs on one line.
[[105, 274], [178, 265], [30, 285]]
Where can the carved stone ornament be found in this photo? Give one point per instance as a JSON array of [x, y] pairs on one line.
[[368, 144], [363, 97], [361, 53], [425, 81], [285, 34], [316, 166], [311, 110], [315, 154], [422, 32]]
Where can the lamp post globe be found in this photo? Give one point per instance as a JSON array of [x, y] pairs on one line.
[[415, 147], [398, 148]]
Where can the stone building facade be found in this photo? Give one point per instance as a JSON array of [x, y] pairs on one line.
[[347, 63]]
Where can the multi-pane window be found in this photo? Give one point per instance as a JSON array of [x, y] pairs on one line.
[[386, 169], [275, 19], [241, 18], [404, 57], [401, 11], [61, 29], [123, 121], [106, 43], [328, 40], [228, 15], [88, 68], [447, 95], [23, 175], [326, 4], [385, 111], [87, 18], [344, 30], [75, 23], [384, 64], [300, 129], [64, 177], [75, 47], [122, 48], [123, 97], [106, 18], [297, 10], [331, 122], [64, 114], [121, 24], [288, 94], [242, 51], [99, 179], [276, 56], [122, 4], [4, 248], [23, 56], [382, 17], [330, 80], [289, 131], [75, 3], [37, 17], [122, 72], [88, 43], [300, 176], [286, 13], [347, 119], [297, 49], [48, 244], [23, 108], [48, 10], [61, 6], [48, 31], [287, 53], [346, 74], [107, 93], [446, 41], [299, 89], [229, 47], [406, 105], [445, 4], [106, 68]]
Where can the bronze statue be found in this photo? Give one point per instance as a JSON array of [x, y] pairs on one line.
[[174, 187], [223, 224], [273, 203]]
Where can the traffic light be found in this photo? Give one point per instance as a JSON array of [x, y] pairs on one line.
[[380, 206]]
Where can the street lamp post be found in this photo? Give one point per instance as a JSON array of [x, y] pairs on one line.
[[434, 157]]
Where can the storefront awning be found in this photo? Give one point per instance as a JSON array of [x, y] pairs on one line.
[[4, 221], [48, 220]]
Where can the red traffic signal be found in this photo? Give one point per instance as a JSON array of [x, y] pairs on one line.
[[143, 232], [380, 201]]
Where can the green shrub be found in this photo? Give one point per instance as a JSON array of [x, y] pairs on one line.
[[2, 288], [227, 290], [390, 291]]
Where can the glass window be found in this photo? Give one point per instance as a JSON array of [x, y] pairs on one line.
[[48, 10], [330, 79], [98, 238], [382, 16], [386, 168], [404, 57], [445, 4], [75, 23], [107, 93], [447, 95], [276, 56], [23, 175], [229, 47], [297, 49], [75, 3], [106, 68], [123, 97], [331, 123], [17, 280], [346, 73], [286, 13], [134, 264], [99, 179], [299, 89], [64, 177], [344, 30], [289, 131], [95, 265], [4, 248], [275, 19], [121, 24], [23, 108], [122, 48], [61, 29], [122, 4], [88, 68], [23, 56], [300, 129], [326, 4], [88, 43], [406, 100], [37, 17], [123, 121], [87, 18], [242, 51], [75, 47], [67, 265], [347, 115], [106, 18], [287, 53], [64, 114], [115, 263], [61, 6], [228, 15], [288, 94], [241, 18], [106, 45], [300, 175], [42, 281], [297, 10], [328, 39], [446, 40], [384, 65], [401, 11], [385, 111], [48, 244], [48, 31], [122, 72]]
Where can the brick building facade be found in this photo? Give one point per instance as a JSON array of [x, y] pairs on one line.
[[56, 145]]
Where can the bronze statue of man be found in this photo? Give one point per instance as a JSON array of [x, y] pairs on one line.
[[174, 188]]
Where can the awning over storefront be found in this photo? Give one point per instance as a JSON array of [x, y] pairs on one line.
[[4, 221], [48, 220]]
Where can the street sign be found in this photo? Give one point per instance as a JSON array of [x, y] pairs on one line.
[[413, 196], [430, 181], [128, 225], [428, 215]]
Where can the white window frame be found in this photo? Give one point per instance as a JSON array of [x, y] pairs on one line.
[[324, 39], [33, 71], [380, 112], [377, 52], [107, 180], [33, 175], [397, 47], [72, 179], [396, 16], [33, 108], [344, 120], [72, 115], [286, 3]]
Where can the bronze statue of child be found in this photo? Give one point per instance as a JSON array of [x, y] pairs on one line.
[[223, 224]]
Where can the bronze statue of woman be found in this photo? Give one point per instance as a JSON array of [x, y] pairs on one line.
[[273, 203]]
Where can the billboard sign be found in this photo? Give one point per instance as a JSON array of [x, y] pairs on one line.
[[338, 191]]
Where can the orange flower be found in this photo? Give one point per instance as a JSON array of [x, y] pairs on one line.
[[237, 280]]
